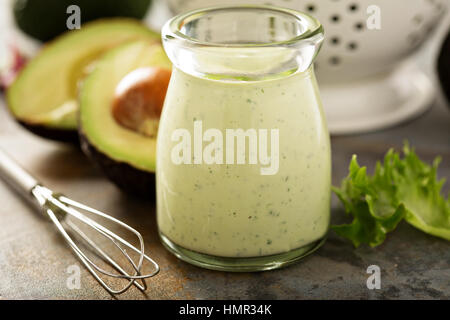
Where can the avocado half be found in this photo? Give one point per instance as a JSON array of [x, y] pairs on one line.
[[125, 156], [43, 98]]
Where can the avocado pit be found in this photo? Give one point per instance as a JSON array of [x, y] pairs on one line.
[[139, 99]]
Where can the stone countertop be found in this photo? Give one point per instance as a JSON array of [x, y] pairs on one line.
[[34, 259]]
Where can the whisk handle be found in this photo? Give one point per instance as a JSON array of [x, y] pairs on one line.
[[15, 175]]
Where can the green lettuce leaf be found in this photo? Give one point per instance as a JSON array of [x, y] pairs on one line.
[[399, 189], [420, 191]]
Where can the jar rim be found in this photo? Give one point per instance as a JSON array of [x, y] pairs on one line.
[[172, 28]]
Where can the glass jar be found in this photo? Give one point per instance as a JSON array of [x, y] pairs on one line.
[[243, 152]]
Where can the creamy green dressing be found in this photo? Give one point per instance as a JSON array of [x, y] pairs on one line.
[[233, 210]]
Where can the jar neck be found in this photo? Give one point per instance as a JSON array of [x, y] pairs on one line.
[[243, 43]]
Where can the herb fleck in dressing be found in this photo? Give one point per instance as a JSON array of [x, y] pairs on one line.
[[232, 210]]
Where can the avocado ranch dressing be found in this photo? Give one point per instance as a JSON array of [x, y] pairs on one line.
[[231, 210], [243, 166]]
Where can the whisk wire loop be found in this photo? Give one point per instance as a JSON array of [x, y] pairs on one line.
[[59, 208]]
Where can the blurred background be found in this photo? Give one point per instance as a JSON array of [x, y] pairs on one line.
[[378, 66]]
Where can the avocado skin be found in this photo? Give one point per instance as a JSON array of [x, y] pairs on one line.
[[46, 19], [443, 67], [60, 135], [129, 179]]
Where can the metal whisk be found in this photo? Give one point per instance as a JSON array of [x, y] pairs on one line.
[[59, 208]]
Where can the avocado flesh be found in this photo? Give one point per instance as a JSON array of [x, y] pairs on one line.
[[124, 155], [44, 94]]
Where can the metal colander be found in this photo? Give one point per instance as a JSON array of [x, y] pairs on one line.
[[353, 50], [366, 81]]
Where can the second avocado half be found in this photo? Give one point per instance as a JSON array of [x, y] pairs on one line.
[[43, 98], [126, 156]]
